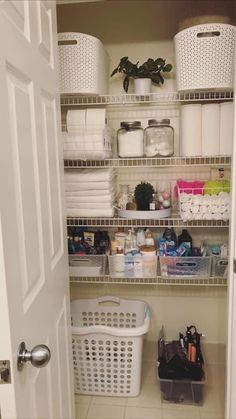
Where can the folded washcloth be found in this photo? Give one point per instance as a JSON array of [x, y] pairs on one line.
[[89, 175], [73, 212], [186, 207], [194, 187]]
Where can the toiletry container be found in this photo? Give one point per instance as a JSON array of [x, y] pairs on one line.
[[159, 138], [130, 139]]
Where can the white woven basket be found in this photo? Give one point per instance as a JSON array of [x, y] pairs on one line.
[[83, 64], [107, 345], [205, 57]]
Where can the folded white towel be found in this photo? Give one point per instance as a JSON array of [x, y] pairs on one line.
[[86, 186], [84, 205], [76, 117], [89, 175], [73, 212], [91, 199], [91, 193]]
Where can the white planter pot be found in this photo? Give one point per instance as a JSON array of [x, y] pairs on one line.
[[142, 86]]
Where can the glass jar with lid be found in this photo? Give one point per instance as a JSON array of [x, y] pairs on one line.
[[130, 138], [159, 138]]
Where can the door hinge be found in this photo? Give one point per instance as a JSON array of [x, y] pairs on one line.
[[5, 372]]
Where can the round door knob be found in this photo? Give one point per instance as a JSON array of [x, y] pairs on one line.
[[39, 356]]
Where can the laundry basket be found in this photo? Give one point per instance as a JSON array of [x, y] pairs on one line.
[[107, 341]]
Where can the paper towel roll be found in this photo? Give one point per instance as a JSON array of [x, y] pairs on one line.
[[76, 117], [96, 117], [211, 129], [190, 130], [226, 128]]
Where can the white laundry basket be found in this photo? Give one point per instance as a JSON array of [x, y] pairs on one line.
[[83, 64], [205, 57], [107, 341]]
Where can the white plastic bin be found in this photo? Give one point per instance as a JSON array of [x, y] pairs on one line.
[[107, 341], [83, 64], [205, 57]]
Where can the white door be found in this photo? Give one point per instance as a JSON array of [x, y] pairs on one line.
[[34, 291], [231, 346]]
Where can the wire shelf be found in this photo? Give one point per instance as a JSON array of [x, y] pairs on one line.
[[125, 222], [107, 279], [158, 98], [150, 162]]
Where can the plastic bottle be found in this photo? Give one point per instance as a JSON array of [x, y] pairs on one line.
[[185, 237], [119, 260], [171, 239], [149, 239]]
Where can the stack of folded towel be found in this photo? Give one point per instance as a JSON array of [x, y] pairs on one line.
[[87, 135], [90, 192]]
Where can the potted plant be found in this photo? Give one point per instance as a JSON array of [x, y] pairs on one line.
[[143, 195], [151, 70]]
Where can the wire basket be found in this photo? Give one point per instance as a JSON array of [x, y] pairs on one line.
[[83, 64], [205, 57], [204, 203], [107, 341]]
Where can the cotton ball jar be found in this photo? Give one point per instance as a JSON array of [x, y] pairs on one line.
[[158, 138]]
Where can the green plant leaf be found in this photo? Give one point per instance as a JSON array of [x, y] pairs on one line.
[[167, 68], [114, 72], [126, 83], [160, 61]]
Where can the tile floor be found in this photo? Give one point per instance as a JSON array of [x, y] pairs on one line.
[[149, 404]]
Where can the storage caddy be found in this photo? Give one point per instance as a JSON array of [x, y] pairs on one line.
[[107, 345], [205, 57], [83, 64]]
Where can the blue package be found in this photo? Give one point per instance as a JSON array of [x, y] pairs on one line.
[[183, 249], [162, 246]]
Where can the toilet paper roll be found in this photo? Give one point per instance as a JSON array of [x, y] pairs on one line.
[[211, 129], [76, 117], [96, 117], [190, 130], [226, 128]]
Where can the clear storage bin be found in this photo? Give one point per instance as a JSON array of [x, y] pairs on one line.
[[182, 391], [185, 266], [132, 266], [88, 265], [219, 266], [107, 342]]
